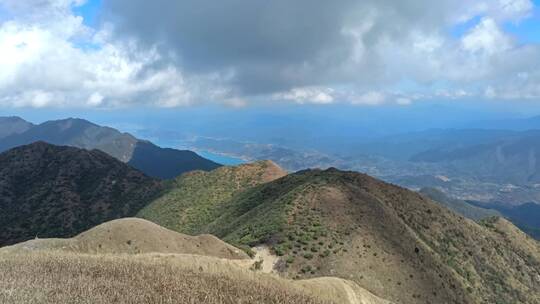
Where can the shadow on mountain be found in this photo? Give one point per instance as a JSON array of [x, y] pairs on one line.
[[167, 163]]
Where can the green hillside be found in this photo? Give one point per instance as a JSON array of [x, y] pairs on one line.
[[197, 198], [394, 242]]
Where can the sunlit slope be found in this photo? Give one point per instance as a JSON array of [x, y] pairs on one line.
[[197, 198], [133, 236], [135, 261], [392, 241]]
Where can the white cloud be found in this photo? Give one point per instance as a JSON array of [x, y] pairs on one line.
[[486, 37], [403, 101], [48, 57], [308, 95], [369, 98]]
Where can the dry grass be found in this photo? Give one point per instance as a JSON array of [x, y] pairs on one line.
[[133, 236], [61, 277]]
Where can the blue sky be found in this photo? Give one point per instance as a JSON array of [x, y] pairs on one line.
[[236, 54], [90, 12], [527, 31]]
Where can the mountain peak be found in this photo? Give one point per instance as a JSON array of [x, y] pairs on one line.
[[70, 123], [270, 170], [13, 125]]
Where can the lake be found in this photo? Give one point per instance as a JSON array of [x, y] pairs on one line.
[[221, 159]]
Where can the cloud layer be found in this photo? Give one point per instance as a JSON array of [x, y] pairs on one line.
[[173, 53]]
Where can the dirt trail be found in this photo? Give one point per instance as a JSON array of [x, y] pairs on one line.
[[262, 253], [341, 291]]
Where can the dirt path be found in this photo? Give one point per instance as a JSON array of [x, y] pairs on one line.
[[268, 259]]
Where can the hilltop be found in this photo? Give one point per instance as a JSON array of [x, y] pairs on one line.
[[53, 191], [133, 236], [394, 242], [141, 154], [13, 125], [197, 198]]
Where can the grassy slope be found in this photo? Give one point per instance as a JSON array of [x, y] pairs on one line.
[[392, 241], [97, 279], [133, 236], [136, 261], [197, 198]]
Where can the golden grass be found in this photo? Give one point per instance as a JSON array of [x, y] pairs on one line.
[[61, 277]]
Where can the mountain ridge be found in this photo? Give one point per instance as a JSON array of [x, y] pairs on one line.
[[391, 241], [143, 155]]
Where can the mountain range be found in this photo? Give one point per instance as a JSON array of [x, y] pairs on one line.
[[486, 165], [329, 236], [140, 154]]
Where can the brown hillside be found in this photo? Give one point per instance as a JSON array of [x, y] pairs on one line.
[[69, 278], [391, 241], [134, 236]]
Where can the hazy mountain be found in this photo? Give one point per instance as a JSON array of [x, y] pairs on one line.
[[53, 191], [509, 160], [143, 155], [459, 206], [13, 125], [395, 243]]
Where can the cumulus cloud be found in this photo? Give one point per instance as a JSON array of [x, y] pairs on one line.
[[314, 95], [486, 37], [174, 53], [48, 57]]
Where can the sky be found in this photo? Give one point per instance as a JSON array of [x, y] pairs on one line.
[[127, 55]]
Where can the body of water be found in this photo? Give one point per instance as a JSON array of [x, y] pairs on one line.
[[221, 159]]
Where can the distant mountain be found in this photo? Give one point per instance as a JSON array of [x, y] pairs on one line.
[[165, 162], [459, 206], [143, 155], [393, 242], [517, 124], [13, 125], [53, 191], [513, 159]]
